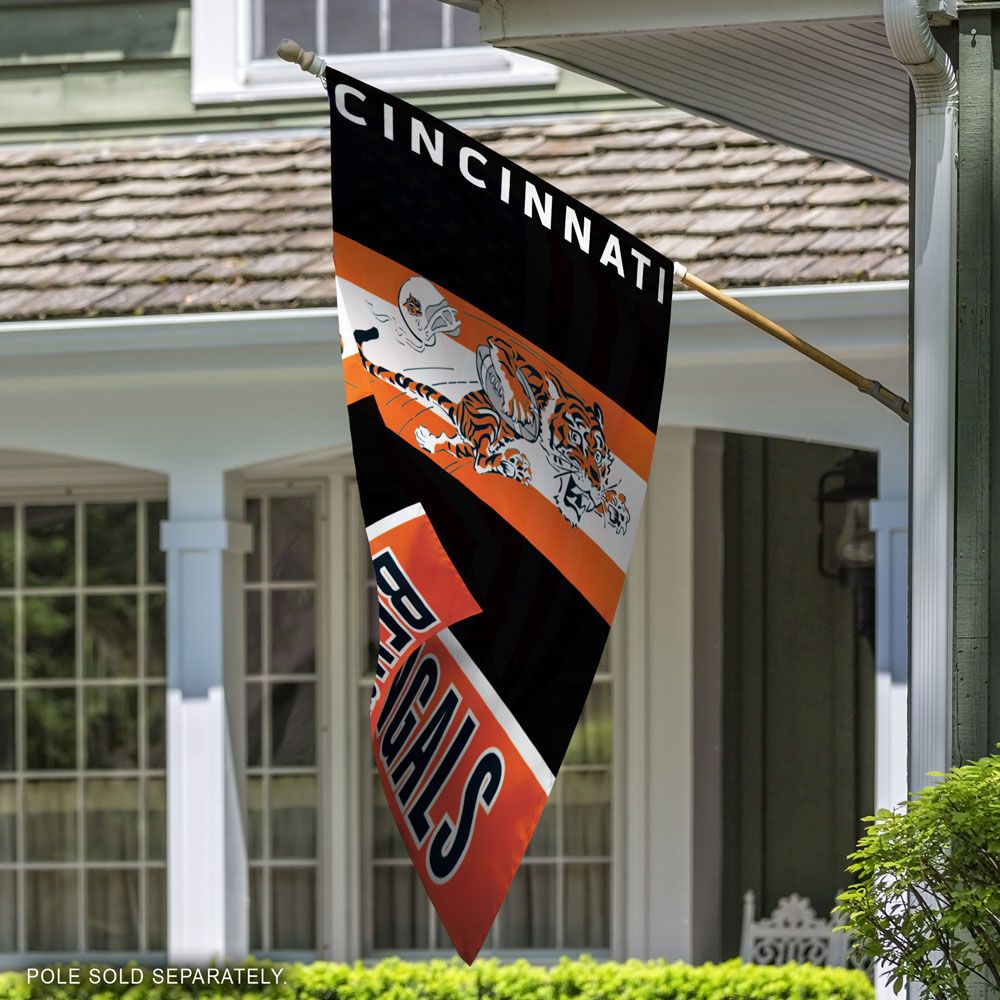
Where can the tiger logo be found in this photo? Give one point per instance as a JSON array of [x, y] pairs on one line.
[[517, 403]]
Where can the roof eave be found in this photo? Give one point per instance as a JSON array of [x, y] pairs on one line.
[[509, 22], [816, 74]]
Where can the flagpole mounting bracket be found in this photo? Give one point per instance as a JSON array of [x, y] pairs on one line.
[[292, 52]]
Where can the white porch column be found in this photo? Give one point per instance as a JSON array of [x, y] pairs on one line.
[[207, 892], [889, 520], [671, 834]]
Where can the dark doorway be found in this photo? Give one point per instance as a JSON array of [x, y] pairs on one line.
[[798, 680]]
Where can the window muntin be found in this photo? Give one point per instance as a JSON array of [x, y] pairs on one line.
[[82, 731], [561, 897], [281, 698], [354, 27]]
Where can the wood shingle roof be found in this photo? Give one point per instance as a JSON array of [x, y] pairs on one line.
[[229, 223]]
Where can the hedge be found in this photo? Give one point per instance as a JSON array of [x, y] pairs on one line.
[[484, 980]]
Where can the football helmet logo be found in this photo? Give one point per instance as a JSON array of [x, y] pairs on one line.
[[426, 313]]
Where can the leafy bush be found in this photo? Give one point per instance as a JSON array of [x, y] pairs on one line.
[[488, 980], [927, 897]]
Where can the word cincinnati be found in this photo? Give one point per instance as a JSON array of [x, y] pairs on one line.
[[475, 167], [133, 975]]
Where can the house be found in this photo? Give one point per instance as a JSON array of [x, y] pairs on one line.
[[184, 600]]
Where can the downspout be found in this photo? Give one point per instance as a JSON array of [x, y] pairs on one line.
[[932, 501]]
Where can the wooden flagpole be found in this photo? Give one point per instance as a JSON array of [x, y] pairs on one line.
[[311, 63], [869, 386]]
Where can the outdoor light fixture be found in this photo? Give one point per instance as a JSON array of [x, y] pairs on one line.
[[847, 555]]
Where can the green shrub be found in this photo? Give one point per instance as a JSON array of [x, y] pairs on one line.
[[488, 980], [926, 900]]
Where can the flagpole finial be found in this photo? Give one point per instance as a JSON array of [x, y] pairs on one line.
[[292, 52]]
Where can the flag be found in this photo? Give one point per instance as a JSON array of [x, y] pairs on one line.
[[503, 357]]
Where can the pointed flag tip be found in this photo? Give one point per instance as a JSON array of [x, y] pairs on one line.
[[468, 943]]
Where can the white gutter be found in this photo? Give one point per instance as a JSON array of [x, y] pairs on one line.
[[298, 329], [932, 484]]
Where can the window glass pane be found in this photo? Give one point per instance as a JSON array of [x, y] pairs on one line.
[[586, 801], [111, 727], [51, 905], [293, 908], [255, 817], [286, 19], [415, 24], [156, 726], [49, 546], [156, 635], [50, 817], [8, 911], [6, 546], [7, 638], [156, 909], [254, 725], [293, 632], [591, 743], [401, 910], [109, 642], [257, 876], [528, 917], [111, 817], [49, 637], [293, 537], [156, 819], [352, 26], [464, 27], [588, 905], [112, 910], [156, 558], [252, 515], [372, 634], [111, 543], [253, 598], [293, 727], [293, 816], [544, 841], [7, 730], [50, 727], [386, 841], [8, 821]]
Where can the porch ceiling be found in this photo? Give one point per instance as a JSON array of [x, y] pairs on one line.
[[817, 75]]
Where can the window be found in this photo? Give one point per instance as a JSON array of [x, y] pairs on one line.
[[281, 698], [82, 727], [560, 900], [398, 45], [350, 27]]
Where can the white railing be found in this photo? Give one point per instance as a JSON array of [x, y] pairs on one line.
[[793, 933]]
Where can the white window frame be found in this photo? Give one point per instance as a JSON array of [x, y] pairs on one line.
[[223, 70], [317, 487], [76, 487]]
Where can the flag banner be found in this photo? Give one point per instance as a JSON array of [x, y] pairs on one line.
[[503, 354]]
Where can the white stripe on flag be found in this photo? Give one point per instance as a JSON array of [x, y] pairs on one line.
[[391, 521], [500, 711]]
